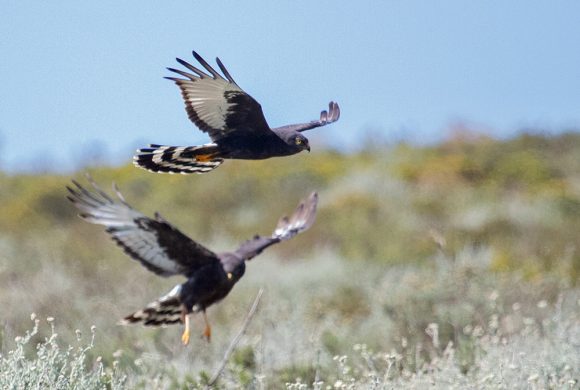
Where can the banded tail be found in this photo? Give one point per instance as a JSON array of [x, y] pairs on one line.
[[178, 159], [167, 310]]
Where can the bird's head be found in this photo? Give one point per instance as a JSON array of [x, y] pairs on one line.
[[236, 274], [234, 267], [299, 141]]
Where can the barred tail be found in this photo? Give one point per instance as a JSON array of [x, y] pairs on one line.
[[178, 159], [167, 310]]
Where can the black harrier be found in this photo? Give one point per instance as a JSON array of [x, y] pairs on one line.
[[164, 250], [234, 121]]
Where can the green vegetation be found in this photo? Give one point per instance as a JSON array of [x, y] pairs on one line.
[[450, 265]]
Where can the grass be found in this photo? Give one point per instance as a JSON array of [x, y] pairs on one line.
[[50, 365], [452, 325], [451, 266]]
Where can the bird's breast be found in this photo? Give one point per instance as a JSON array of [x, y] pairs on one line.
[[254, 147]]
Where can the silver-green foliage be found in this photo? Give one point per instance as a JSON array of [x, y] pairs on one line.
[[51, 366]]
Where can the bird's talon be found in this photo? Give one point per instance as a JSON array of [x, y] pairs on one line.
[[185, 337], [207, 330], [207, 333]]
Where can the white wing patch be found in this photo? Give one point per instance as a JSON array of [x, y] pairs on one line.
[[143, 245], [206, 96], [128, 227], [215, 104]]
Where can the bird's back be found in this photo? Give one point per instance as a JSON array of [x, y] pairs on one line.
[[208, 285]]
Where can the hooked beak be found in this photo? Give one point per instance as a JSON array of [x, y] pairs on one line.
[[308, 148]]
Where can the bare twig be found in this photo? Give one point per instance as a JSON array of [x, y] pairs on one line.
[[236, 339]]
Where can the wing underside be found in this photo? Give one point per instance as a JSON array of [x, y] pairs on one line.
[[155, 243], [216, 104], [326, 118], [288, 227]]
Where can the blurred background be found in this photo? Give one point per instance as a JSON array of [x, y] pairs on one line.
[[448, 229]]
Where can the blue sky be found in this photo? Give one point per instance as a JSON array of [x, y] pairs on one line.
[[79, 79]]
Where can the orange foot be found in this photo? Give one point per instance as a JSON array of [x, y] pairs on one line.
[[207, 330], [207, 333], [185, 335]]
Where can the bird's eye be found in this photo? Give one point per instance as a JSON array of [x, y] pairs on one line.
[[298, 141], [230, 276]]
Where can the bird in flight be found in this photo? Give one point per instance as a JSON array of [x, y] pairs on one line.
[[234, 121], [164, 250]]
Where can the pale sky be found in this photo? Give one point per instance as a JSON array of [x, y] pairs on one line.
[[83, 78]]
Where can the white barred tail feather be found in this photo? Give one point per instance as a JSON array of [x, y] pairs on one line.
[[178, 159], [164, 311]]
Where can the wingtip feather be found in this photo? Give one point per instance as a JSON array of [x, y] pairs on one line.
[[301, 219]]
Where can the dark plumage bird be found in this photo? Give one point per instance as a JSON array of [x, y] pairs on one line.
[[234, 121], [164, 250]]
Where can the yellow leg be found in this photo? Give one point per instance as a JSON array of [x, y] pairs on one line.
[[185, 335], [207, 330]]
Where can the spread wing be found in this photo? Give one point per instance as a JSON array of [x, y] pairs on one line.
[[217, 105], [158, 245], [302, 218], [326, 117]]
